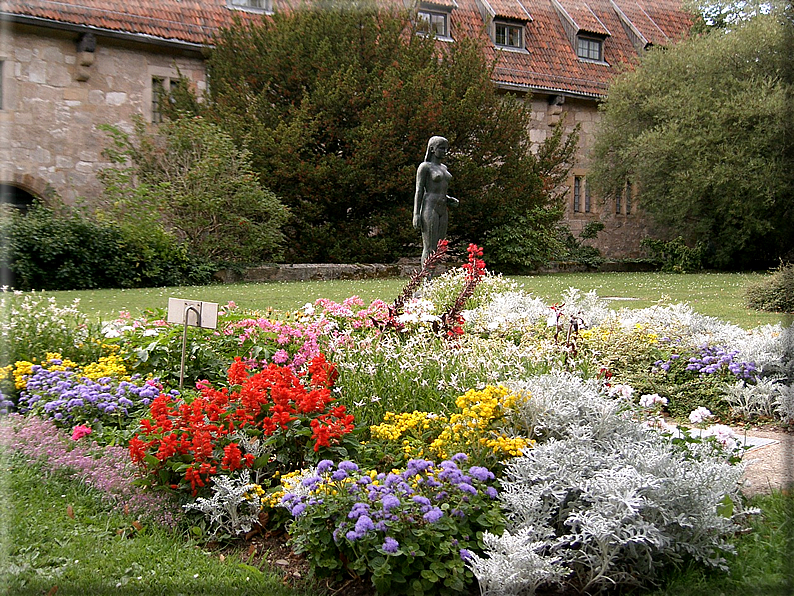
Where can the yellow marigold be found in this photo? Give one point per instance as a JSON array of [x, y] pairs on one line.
[[22, 368], [55, 361], [6, 371], [106, 366]]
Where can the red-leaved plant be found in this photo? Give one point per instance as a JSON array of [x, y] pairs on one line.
[[451, 322], [291, 420]]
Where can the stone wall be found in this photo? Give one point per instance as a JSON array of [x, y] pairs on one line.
[[623, 231], [55, 96]]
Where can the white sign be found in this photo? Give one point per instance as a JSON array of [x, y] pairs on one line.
[[193, 313]]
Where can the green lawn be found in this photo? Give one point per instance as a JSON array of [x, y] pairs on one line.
[[57, 536], [719, 295]]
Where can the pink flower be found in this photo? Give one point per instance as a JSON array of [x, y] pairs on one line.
[[80, 431], [281, 357]]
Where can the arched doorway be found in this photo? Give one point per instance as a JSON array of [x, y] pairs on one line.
[[15, 196], [21, 200]]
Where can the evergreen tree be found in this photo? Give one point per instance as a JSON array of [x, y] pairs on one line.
[[336, 104]]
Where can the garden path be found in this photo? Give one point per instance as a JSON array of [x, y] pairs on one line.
[[770, 465]]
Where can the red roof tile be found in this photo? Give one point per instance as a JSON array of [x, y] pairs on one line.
[[582, 16], [509, 9], [549, 64]]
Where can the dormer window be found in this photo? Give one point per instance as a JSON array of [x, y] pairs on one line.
[[432, 22], [589, 48], [509, 35], [252, 5]]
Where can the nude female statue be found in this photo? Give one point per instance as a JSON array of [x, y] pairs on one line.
[[430, 201]]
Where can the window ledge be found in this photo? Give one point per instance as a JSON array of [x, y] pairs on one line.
[[438, 37], [250, 9], [589, 61], [511, 49]]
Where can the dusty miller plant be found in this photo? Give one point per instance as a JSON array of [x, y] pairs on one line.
[[603, 497], [751, 400], [234, 506]]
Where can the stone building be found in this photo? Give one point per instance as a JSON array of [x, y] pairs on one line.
[[68, 66]]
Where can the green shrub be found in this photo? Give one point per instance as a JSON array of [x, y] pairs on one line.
[[191, 180], [775, 292], [67, 250], [674, 256]]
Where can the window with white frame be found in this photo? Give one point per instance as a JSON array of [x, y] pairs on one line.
[[252, 5], [509, 35], [432, 21], [589, 48]]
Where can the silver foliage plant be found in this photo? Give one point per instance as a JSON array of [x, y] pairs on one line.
[[768, 398], [234, 506], [601, 499]]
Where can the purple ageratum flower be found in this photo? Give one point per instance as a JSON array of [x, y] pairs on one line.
[[352, 535], [420, 500], [460, 457], [364, 524], [417, 466], [480, 473], [390, 545], [465, 554], [348, 466], [358, 510], [389, 502], [339, 475], [433, 515], [298, 509], [324, 466], [491, 492], [311, 482]]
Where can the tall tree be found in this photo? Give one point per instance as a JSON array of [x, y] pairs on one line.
[[337, 104], [701, 129]]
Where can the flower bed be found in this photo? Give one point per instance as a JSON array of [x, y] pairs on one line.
[[475, 434]]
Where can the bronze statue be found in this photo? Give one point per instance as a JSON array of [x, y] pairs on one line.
[[431, 215]]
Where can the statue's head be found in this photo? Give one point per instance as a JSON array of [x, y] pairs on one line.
[[433, 144]]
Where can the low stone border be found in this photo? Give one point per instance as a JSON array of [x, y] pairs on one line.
[[403, 268]]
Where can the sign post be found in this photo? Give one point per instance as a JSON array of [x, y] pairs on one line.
[[191, 313]]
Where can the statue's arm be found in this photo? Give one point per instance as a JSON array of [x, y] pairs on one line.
[[421, 178]]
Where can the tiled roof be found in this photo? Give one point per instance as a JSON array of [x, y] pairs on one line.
[[582, 16], [510, 9], [548, 64]]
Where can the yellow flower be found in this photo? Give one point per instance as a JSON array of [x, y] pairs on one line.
[[22, 369], [107, 366]]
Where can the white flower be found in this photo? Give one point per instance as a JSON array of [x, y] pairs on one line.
[[650, 400], [699, 415], [724, 435], [623, 391], [552, 320], [308, 309], [150, 332]]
